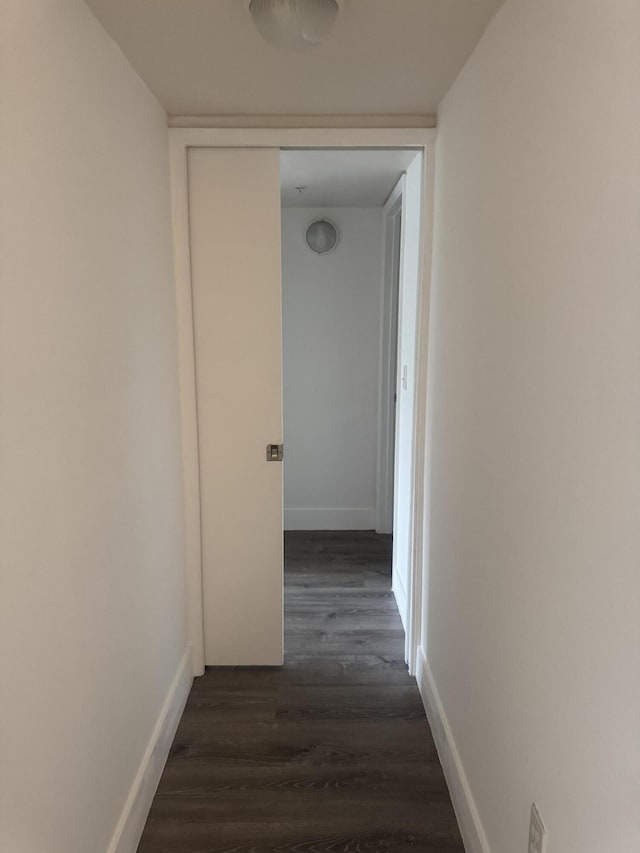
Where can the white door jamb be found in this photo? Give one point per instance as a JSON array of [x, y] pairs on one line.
[[389, 286]]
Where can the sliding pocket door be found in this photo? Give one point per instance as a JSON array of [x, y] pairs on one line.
[[234, 221]]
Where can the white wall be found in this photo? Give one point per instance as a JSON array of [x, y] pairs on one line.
[[92, 627], [534, 595], [331, 338]]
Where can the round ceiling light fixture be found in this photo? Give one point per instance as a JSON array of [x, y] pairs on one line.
[[321, 236], [294, 23]]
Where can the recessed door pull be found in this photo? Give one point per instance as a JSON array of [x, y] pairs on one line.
[[275, 452]]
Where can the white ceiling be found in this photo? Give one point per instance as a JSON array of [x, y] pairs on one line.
[[204, 57], [361, 178]]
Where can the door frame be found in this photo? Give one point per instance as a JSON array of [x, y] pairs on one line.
[[387, 369], [180, 140]]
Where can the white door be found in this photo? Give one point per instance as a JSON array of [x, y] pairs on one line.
[[234, 220], [406, 386]]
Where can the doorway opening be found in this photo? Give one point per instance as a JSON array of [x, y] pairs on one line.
[[350, 284], [226, 202]]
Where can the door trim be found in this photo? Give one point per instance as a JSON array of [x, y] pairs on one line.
[[391, 253], [180, 140]]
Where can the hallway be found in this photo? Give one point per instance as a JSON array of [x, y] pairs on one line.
[[332, 752]]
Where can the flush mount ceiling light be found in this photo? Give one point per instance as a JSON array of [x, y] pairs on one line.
[[294, 23], [321, 236]]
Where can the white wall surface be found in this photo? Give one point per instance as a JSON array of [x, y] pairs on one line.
[[331, 338], [534, 593], [92, 626]]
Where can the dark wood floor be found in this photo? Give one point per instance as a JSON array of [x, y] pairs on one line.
[[329, 754]]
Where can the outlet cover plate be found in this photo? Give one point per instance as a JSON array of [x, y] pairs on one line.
[[537, 832]]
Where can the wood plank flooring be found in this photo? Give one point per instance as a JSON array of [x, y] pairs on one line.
[[332, 752]]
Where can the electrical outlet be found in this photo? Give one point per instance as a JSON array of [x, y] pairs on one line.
[[537, 832]]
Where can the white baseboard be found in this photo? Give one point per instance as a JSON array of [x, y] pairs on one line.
[[330, 518], [400, 595], [134, 815], [473, 836]]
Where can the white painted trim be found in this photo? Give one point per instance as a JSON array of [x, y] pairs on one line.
[[416, 482], [400, 595], [419, 571], [129, 829], [180, 140], [188, 405], [471, 829], [329, 518], [305, 137], [428, 120], [402, 601], [388, 334]]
